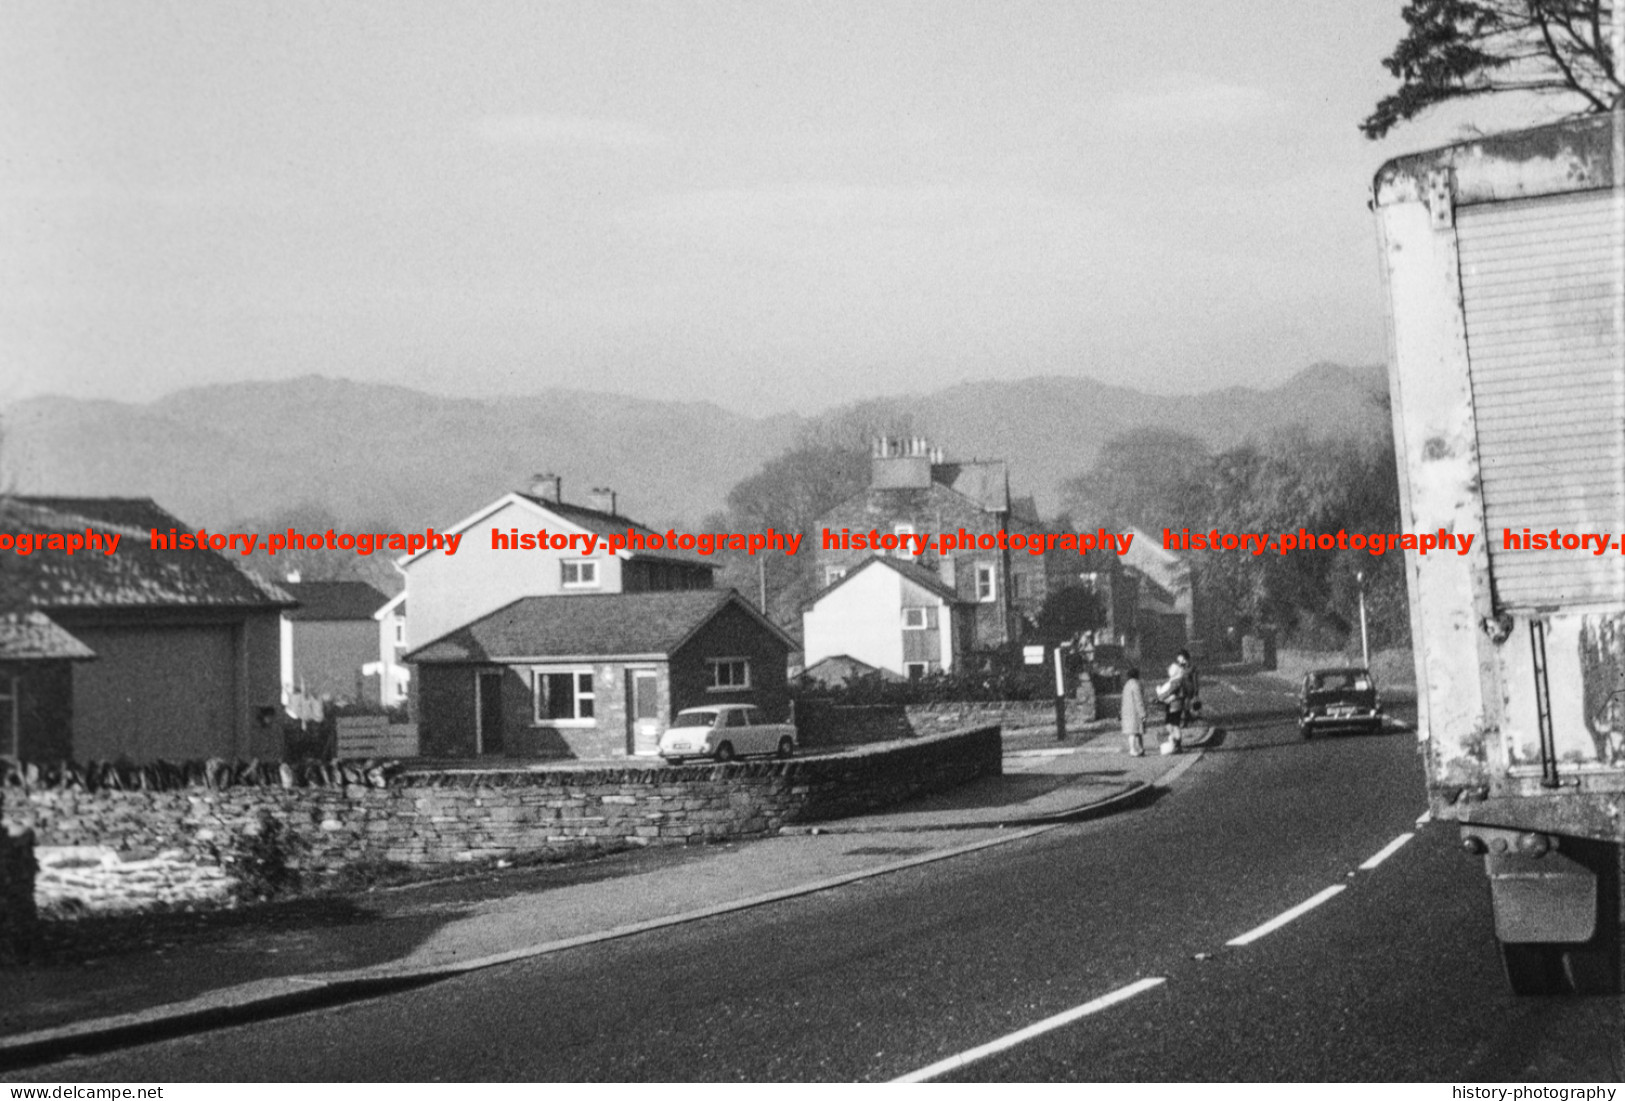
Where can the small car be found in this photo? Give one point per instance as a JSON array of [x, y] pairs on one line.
[[1339, 698], [725, 731]]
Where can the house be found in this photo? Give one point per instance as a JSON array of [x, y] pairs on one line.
[[36, 687], [186, 644], [593, 676], [1166, 605], [890, 614], [393, 675], [536, 544], [914, 491], [330, 640], [837, 670]]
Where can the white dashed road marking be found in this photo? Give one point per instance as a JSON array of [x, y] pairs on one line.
[[1106, 1001], [1386, 851], [1279, 920]]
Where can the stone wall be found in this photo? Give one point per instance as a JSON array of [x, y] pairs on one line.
[[17, 914], [429, 817], [821, 724], [929, 718]]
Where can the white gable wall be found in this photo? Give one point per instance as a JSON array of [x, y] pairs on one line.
[[444, 592], [861, 617]]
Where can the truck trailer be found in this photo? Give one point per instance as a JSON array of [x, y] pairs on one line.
[[1504, 264]]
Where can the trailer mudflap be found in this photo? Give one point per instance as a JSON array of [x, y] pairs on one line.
[[1546, 899]]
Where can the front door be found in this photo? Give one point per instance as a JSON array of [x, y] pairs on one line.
[[644, 707], [489, 713]]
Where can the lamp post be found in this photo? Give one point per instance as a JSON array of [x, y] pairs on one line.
[[1365, 644]]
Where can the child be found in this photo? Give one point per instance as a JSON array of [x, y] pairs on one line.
[[1133, 712]]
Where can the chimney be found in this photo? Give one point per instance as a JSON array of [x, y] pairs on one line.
[[549, 487], [602, 498]]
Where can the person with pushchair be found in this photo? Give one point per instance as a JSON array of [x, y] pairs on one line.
[[1179, 697]]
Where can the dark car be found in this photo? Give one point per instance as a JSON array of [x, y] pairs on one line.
[[1339, 699]]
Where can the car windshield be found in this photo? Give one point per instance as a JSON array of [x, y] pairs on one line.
[[1338, 681], [696, 718]]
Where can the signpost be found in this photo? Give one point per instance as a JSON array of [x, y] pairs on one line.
[[1060, 698]]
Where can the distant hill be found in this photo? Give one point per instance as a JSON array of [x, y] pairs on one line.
[[216, 455]]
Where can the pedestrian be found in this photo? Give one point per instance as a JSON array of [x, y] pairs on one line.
[[1133, 713], [1179, 696]]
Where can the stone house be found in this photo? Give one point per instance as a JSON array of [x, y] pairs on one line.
[[186, 644], [914, 491], [891, 614], [536, 544], [593, 676]]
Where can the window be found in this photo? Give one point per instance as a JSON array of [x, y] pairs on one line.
[[986, 590], [11, 738], [1015, 586], [916, 669], [400, 632], [729, 674], [833, 574], [579, 575], [914, 619], [903, 532], [563, 695]]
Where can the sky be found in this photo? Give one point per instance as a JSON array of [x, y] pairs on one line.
[[773, 206]]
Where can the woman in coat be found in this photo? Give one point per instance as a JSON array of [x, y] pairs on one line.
[[1133, 712]]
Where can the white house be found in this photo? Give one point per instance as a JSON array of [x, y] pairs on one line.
[[394, 676], [891, 614], [534, 544]]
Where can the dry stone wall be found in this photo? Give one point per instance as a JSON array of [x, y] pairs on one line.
[[432, 817]]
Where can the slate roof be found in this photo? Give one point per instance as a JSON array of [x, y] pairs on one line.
[[913, 571], [607, 625], [986, 483], [605, 524], [134, 576], [333, 600], [31, 636]]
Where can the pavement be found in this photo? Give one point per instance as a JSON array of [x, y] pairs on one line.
[[237, 966]]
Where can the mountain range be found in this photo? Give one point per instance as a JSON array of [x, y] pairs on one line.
[[367, 453]]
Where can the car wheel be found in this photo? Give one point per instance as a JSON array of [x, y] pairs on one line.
[[673, 760], [787, 746], [1303, 731], [725, 752]]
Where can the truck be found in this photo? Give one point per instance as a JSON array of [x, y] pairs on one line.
[[1504, 264]]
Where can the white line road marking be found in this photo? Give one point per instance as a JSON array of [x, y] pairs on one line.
[[1105, 1001], [1276, 922], [1386, 851]]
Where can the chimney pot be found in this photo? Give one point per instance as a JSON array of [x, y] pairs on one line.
[[549, 487]]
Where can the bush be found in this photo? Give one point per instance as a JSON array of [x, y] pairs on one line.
[[264, 859]]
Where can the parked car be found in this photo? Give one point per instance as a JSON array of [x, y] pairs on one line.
[[724, 732], [1339, 698]]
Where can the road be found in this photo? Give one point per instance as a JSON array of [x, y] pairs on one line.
[[1394, 977]]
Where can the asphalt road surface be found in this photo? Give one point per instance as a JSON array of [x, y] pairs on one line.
[[1394, 976]]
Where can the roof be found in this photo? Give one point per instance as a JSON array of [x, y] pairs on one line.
[[605, 625], [602, 524], [986, 483], [909, 570], [329, 600], [31, 636], [134, 576]]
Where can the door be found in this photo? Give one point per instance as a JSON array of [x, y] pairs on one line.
[[488, 704], [644, 707]]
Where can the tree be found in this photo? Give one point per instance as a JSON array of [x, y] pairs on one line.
[[1463, 49], [1069, 611], [1148, 479]]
